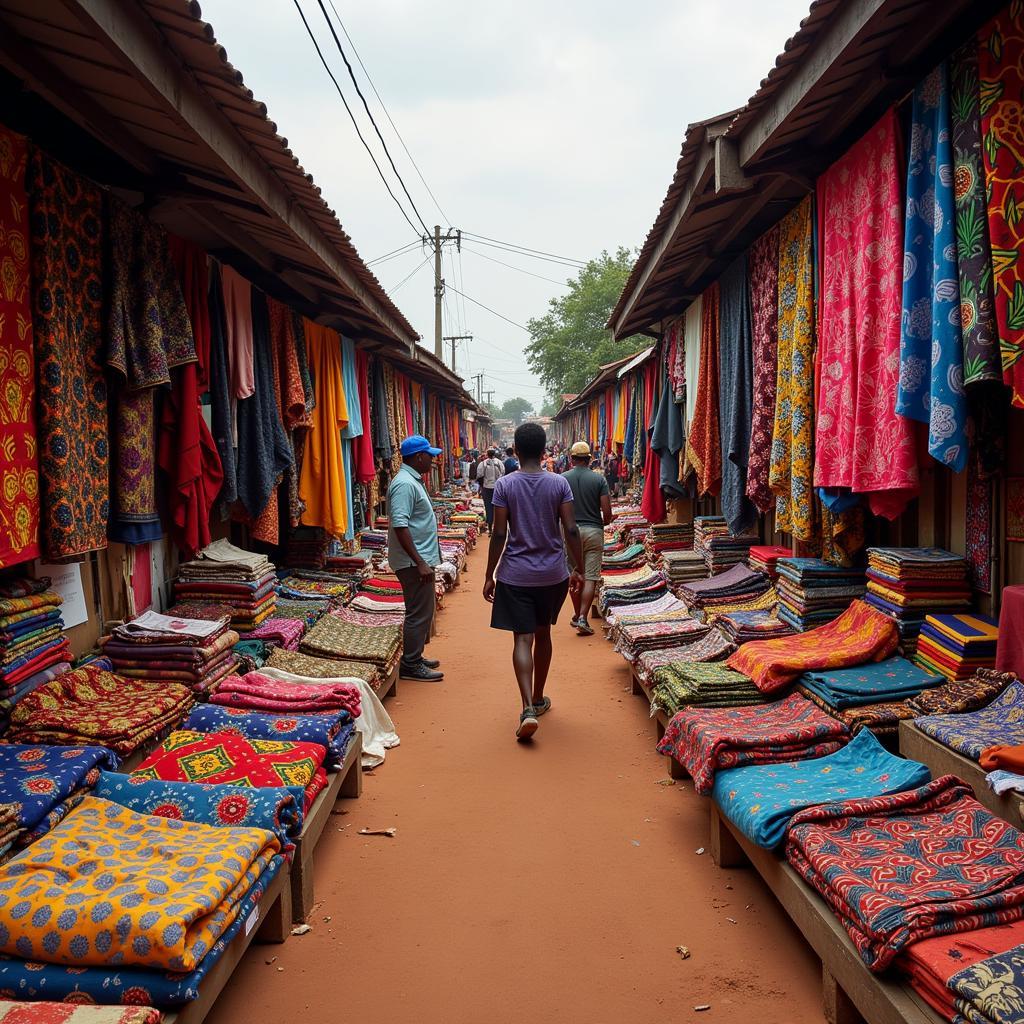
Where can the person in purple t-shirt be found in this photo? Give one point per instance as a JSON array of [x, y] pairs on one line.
[[532, 576]]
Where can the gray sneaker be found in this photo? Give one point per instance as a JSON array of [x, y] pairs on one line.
[[583, 627]]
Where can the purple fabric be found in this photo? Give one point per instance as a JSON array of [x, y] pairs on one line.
[[534, 555]]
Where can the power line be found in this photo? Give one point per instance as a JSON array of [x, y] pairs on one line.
[[411, 274], [540, 277], [366, 107], [525, 248], [494, 312], [529, 255], [348, 109], [395, 252]]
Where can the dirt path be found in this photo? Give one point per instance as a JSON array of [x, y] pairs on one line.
[[526, 884]]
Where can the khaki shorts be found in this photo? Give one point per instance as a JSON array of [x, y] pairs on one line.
[[592, 542]]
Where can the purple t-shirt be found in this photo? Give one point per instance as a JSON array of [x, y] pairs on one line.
[[534, 555]]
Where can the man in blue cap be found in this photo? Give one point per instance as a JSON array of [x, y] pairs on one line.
[[413, 551]]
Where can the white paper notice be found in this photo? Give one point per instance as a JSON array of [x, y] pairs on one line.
[[67, 581]]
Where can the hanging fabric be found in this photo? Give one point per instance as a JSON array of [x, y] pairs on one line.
[[703, 443], [221, 402], [237, 292], [652, 502], [692, 320], [667, 436]]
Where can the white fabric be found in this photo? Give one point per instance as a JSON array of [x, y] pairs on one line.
[[224, 551], [153, 622], [374, 724], [1003, 781], [691, 342]]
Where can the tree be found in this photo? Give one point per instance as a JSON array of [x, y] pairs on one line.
[[570, 342], [515, 409], [550, 407], [494, 411]]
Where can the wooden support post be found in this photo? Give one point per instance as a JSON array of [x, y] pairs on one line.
[[836, 1003], [725, 851], [676, 770], [352, 781], [277, 925]]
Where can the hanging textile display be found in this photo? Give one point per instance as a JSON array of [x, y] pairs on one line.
[[67, 297], [763, 267], [237, 293], [791, 468], [861, 443], [703, 443], [652, 502], [364, 465], [19, 460], [354, 427], [735, 395], [692, 320], [1001, 73], [667, 437], [931, 381]]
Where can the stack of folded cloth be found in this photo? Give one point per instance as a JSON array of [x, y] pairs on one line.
[[225, 574], [954, 698], [279, 632], [708, 740], [764, 558], [250, 655], [1000, 723], [742, 627], [379, 594], [667, 604], [39, 785], [626, 560], [306, 547], [735, 586], [335, 588], [700, 684], [665, 537], [908, 584], [324, 668], [1005, 767], [33, 648], [310, 612], [634, 639], [168, 649], [90, 706], [615, 623], [373, 540], [367, 618], [257, 692], [683, 566], [812, 591], [956, 646], [959, 866], [712, 646], [639, 587], [711, 537], [333, 638]]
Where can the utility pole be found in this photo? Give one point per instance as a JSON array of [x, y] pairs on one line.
[[437, 241], [489, 395], [479, 378], [454, 338]]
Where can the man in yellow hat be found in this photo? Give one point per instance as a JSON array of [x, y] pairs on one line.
[[592, 503]]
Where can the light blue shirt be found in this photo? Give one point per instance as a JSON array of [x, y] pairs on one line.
[[409, 505]]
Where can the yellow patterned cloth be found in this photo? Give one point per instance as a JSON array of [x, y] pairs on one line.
[[109, 886]]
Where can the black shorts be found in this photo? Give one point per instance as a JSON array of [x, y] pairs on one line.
[[523, 609]]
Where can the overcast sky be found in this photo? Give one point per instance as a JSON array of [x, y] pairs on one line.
[[554, 126]]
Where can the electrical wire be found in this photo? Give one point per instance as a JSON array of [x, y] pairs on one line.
[[494, 312], [530, 273], [348, 109], [411, 274], [519, 252], [395, 252], [525, 248]]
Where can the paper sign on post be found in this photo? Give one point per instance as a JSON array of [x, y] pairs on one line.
[[66, 580]]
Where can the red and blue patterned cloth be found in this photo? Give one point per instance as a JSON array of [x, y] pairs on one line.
[[1001, 723]]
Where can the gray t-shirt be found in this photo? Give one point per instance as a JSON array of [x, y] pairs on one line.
[[587, 488]]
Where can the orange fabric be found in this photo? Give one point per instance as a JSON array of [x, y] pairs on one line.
[[1009, 759]]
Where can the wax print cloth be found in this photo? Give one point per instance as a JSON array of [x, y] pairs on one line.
[[999, 723], [760, 800], [260, 692], [882, 718], [701, 684], [67, 248], [892, 679], [1001, 74], [961, 868], [309, 612], [703, 442], [19, 459], [859, 635], [66, 1013], [991, 991], [709, 740], [861, 443], [331, 638], [711, 647], [159, 896], [188, 756], [931, 382], [285, 632]]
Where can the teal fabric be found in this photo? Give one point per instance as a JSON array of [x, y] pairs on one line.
[[874, 683]]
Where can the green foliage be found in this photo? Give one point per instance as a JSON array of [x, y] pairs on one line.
[[570, 342], [515, 409], [550, 407]]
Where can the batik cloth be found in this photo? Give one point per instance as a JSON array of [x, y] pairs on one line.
[[19, 458], [861, 443], [873, 683], [67, 1013], [700, 684], [67, 301], [760, 800], [281, 631], [331, 638], [931, 387], [709, 740], [956, 697], [999, 723], [307, 611], [188, 756], [882, 718], [992, 990], [258, 692], [159, 896], [323, 668], [791, 468], [895, 869], [860, 634], [1001, 74], [703, 442]]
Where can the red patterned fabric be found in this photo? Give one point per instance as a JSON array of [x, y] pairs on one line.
[[652, 503], [260, 692], [68, 1013]]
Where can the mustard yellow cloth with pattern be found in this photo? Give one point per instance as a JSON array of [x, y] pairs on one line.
[[109, 886]]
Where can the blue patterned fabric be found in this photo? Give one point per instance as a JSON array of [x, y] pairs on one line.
[[931, 387], [759, 800], [1001, 723], [143, 986], [892, 679], [991, 991]]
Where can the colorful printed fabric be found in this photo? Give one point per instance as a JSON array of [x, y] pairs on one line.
[[258, 692], [760, 800], [703, 684], [979, 527], [861, 443], [860, 634], [992, 991], [187, 756], [309, 612], [19, 459], [931, 384], [956, 697], [710, 740], [66, 1013], [1001, 73], [970, 733], [67, 300], [962, 868], [888, 680], [882, 719], [703, 442], [331, 638], [792, 453], [176, 885], [285, 632], [323, 668]]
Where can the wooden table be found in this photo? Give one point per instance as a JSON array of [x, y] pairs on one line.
[[660, 719], [389, 688]]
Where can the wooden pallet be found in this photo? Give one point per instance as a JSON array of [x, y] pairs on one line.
[[346, 783], [942, 760]]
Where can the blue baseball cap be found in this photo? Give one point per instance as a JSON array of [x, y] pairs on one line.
[[416, 444]]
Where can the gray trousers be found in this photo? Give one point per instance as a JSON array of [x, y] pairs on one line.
[[419, 614]]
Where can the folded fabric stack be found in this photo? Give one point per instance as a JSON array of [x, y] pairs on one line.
[[641, 586], [999, 723], [667, 604], [760, 800], [69, 1013], [765, 557], [742, 627], [736, 586], [859, 635], [712, 646], [663, 538], [709, 740], [954, 698], [335, 639], [257, 692], [367, 618], [720, 548], [1005, 767], [331, 588], [615, 622], [634, 639], [280, 632], [90, 706], [373, 540], [700, 684], [306, 547], [309, 612], [197, 653], [324, 668], [33, 648], [184, 890], [626, 560], [812, 591], [227, 575], [956, 646], [682, 566], [908, 584], [962, 866], [379, 594]]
